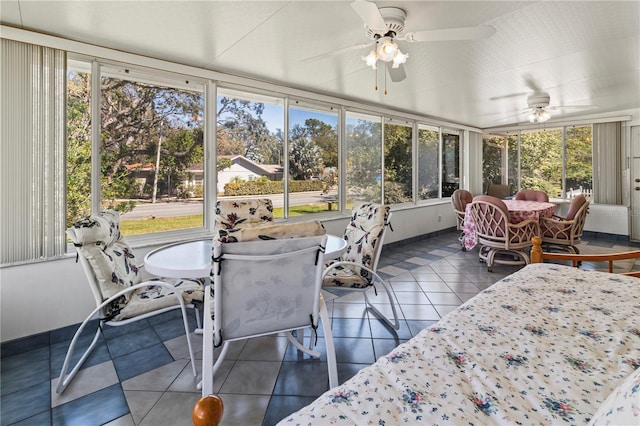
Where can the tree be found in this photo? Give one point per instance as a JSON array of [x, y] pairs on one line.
[[241, 121], [541, 161], [78, 148], [364, 158], [428, 168], [397, 163], [305, 156]]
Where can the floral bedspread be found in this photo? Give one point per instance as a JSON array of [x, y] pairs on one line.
[[545, 345]]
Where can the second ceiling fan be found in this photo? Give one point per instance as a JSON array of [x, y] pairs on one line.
[[386, 25]]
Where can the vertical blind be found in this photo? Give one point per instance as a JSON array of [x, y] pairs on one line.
[[607, 163], [32, 152]]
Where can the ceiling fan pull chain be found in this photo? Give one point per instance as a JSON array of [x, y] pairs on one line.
[[385, 80], [376, 77]]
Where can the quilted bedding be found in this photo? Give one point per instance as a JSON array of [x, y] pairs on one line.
[[545, 345]]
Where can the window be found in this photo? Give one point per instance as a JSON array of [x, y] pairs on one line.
[[151, 148], [397, 162], [364, 158], [500, 160], [428, 169], [313, 158], [579, 160], [545, 157], [450, 162], [78, 141], [493, 156], [541, 161], [250, 146]]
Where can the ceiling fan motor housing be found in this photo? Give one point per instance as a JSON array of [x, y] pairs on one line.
[[394, 17], [538, 101]]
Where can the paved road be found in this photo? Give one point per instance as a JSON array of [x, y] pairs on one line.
[[188, 208]]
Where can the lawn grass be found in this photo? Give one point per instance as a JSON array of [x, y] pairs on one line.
[[161, 224]]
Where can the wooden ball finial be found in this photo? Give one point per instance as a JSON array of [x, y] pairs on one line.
[[208, 411]]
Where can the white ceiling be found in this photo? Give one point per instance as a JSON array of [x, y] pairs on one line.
[[579, 52]]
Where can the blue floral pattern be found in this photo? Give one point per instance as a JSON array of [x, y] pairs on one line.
[[546, 345]]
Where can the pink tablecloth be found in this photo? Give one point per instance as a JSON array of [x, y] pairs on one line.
[[519, 210]]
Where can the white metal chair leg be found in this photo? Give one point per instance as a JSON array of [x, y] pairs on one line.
[[65, 379], [328, 342], [198, 320], [396, 323], [300, 346], [188, 334]]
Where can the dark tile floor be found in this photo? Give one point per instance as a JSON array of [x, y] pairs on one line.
[[140, 374]]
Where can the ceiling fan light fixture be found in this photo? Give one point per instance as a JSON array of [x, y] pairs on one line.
[[371, 59], [539, 115], [399, 59], [387, 49]]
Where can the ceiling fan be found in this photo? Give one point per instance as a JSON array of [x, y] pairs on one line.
[[386, 25], [539, 108], [538, 103]]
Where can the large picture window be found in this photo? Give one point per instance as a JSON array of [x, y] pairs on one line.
[[151, 149], [557, 161], [250, 146], [313, 158], [428, 170], [450, 162], [397, 162], [364, 158]]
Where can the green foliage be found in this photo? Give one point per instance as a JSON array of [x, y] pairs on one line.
[[428, 176], [395, 193], [307, 148], [78, 148], [241, 120], [262, 187], [397, 163], [222, 164], [364, 159]]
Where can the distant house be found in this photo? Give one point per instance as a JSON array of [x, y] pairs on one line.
[[241, 167], [143, 173], [247, 170]]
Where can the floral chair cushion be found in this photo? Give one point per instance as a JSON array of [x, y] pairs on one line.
[[363, 235], [152, 298], [232, 215], [99, 240], [115, 268], [622, 406]]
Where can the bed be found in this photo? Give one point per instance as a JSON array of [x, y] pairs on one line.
[[549, 344]]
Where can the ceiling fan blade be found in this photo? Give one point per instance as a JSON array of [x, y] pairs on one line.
[[462, 33], [559, 107], [396, 74], [370, 15], [337, 52], [513, 95]]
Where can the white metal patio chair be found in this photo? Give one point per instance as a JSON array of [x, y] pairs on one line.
[[120, 294], [265, 287], [356, 269]]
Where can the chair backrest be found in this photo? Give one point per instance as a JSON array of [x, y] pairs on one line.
[[365, 235], [234, 214], [491, 217], [264, 287], [460, 198], [532, 195], [580, 216], [576, 204], [109, 263], [499, 191]]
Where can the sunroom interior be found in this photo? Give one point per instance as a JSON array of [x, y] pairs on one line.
[[158, 109]]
